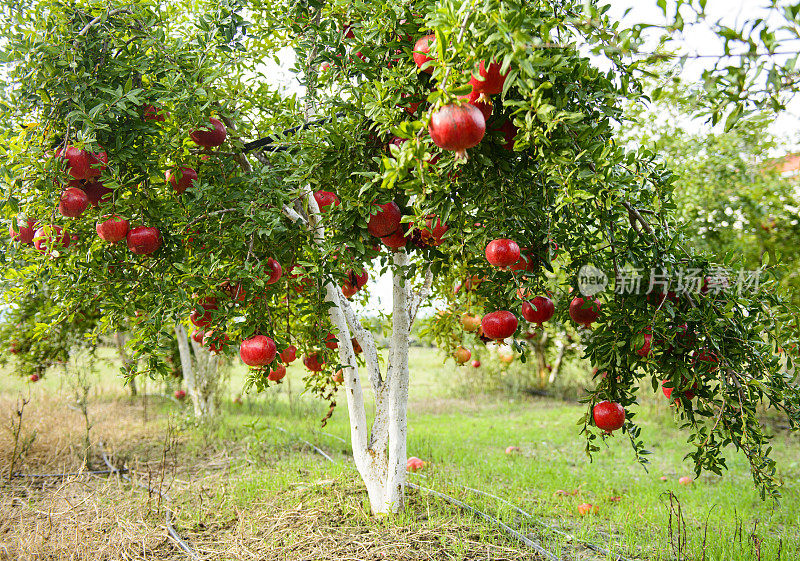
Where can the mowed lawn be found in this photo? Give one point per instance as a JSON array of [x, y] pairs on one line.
[[463, 438]]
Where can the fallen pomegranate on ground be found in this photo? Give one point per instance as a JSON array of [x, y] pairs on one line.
[[586, 508], [414, 464]]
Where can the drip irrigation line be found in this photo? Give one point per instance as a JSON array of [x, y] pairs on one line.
[[569, 537], [509, 530], [169, 514], [306, 442], [76, 474], [339, 438]]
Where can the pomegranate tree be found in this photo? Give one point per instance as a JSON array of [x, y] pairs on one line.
[[313, 185]]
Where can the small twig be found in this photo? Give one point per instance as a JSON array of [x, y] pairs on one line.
[[169, 514]]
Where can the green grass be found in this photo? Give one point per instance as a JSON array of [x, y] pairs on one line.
[[464, 441]]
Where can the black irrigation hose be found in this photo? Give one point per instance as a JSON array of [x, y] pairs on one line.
[[511, 531], [169, 514]]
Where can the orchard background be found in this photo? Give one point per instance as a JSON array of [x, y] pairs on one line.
[[571, 229]]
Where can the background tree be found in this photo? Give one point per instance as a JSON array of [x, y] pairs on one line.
[[137, 85]]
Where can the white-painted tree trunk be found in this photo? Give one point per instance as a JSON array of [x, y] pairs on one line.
[[201, 373], [379, 454]]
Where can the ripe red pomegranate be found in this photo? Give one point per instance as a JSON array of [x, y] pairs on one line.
[[457, 127], [489, 81], [203, 319], [706, 356], [414, 464], [257, 351], [476, 363], [657, 298], [198, 336], [181, 179], [484, 105], [82, 164], [34, 378], [95, 191], [151, 113], [210, 137], [180, 395], [113, 229], [644, 350], [331, 342], [461, 355], [143, 240], [274, 269], [73, 202], [538, 310], [668, 391], [395, 241], [289, 354], [432, 233], [277, 374], [354, 282], [502, 252], [584, 311], [325, 199], [386, 221], [24, 231], [314, 362], [348, 290], [214, 342], [48, 236], [608, 416], [509, 131], [499, 325], [422, 49]]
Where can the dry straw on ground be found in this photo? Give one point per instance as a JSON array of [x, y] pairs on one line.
[[101, 518]]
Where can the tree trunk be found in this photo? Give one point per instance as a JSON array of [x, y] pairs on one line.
[[381, 462], [380, 454], [201, 373]]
